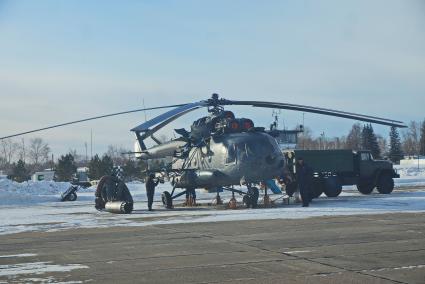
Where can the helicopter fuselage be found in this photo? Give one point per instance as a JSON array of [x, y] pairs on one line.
[[230, 159]]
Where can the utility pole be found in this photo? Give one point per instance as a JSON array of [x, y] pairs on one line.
[[418, 162], [23, 150], [91, 143], [418, 151], [303, 132], [143, 102], [322, 139], [87, 158]]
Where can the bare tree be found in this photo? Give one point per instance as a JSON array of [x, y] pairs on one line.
[[8, 150], [383, 145], [78, 159], [3, 162], [38, 151], [3, 159], [306, 141], [22, 153], [336, 143], [117, 154], [354, 138], [411, 137]]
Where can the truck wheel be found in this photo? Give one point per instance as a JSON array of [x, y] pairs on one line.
[[167, 200], [385, 184], [333, 187], [365, 187], [291, 188], [317, 188]]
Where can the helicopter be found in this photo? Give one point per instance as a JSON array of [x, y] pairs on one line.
[[220, 151]]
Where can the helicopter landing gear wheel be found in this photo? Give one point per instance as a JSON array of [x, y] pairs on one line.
[[232, 202], [167, 200], [217, 200], [267, 201], [72, 197]]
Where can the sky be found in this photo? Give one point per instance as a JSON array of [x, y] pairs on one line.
[[68, 60]]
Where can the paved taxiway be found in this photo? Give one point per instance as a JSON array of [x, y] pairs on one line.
[[386, 248]]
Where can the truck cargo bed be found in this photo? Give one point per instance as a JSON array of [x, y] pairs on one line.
[[336, 161]]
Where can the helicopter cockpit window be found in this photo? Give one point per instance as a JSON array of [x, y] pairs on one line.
[[244, 150], [231, 154]]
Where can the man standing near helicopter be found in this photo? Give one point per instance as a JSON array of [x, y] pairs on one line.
[[151, 183], [304, 179]]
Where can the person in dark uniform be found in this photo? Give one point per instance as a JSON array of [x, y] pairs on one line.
[[304, 179], [151, 183]]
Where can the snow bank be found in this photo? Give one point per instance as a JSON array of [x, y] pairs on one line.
[[31, 187], [14, 193], [407, 172]]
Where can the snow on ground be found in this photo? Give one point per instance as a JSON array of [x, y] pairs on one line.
[[30, 192], [56, 215], [12, 270], [35, 206], [409, 173]]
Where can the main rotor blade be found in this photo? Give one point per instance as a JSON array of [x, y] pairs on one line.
[[168, 116], [88, 119], [324, 111]]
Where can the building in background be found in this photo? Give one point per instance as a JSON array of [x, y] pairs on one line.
[[46, 175]]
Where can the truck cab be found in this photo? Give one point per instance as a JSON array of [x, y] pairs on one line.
[[374, 173]]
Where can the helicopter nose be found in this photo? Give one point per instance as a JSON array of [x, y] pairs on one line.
[[270, 159], [274, 162]]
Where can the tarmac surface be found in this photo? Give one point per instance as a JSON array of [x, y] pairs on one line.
[[385, 248]]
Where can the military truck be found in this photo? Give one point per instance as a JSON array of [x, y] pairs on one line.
[[334, 168]]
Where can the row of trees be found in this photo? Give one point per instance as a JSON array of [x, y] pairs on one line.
[[66, 168], [20, 161], [362, 137], [36, 153]]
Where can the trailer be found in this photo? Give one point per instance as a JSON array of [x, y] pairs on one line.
[[333, 169]]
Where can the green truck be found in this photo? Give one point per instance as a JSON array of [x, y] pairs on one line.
[[335, 168]]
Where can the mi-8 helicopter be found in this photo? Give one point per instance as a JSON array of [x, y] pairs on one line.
[[220, 150]]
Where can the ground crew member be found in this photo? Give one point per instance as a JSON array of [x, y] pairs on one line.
[[304, 179], [151, 183]]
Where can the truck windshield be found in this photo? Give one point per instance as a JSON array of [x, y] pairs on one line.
[[365, 156]]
